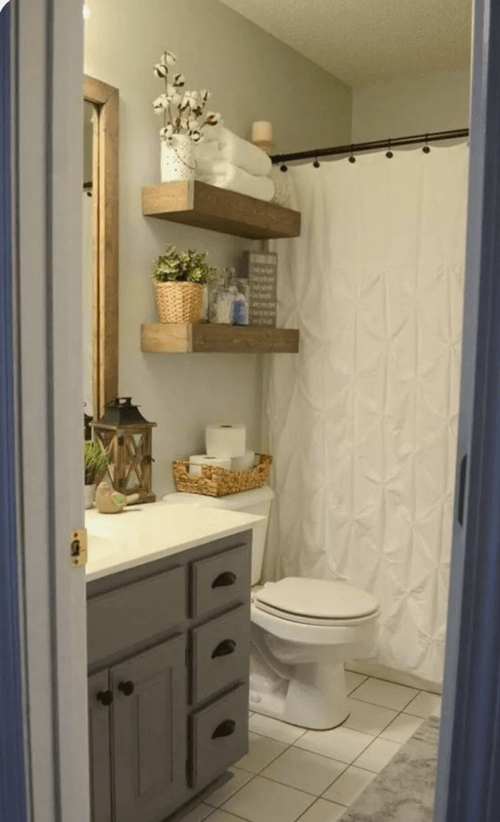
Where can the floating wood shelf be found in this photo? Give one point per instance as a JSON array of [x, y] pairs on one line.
[[182, 338], [204, 206]]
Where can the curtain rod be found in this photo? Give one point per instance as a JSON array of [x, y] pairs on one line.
[[357, 147]]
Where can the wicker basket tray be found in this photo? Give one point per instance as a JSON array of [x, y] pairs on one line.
[[217, 482]]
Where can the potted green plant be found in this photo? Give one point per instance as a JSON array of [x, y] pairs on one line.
[[179, 278], [95, 461]]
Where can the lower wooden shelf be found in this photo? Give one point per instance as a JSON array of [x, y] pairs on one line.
[[183, 338]]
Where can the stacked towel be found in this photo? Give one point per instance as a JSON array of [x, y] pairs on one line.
[[227, 161]]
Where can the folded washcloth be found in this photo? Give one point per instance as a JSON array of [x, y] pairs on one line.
[[225, 175], [222, 144]]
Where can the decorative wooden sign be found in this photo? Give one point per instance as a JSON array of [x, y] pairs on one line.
[[261, 269]]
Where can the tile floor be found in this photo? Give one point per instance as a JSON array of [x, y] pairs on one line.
[[292, 774]]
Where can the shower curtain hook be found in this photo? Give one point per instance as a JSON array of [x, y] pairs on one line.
[[352, 158], [316, 162], [284, 167], [389, 153], [426, 149]]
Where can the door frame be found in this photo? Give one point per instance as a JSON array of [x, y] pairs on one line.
[[468, 787], [47, 40]]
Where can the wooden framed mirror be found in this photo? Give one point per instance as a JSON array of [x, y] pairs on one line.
[[100, 251]]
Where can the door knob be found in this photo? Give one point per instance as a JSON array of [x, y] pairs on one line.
[[105, 697], [126, 688]]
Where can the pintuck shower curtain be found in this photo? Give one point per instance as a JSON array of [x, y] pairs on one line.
[[363, 422]]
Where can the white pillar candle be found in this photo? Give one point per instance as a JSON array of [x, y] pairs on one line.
[[262, 132]]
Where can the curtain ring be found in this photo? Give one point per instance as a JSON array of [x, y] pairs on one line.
[[352, 158], [284, 167], [426, 149], [316, 162], [389, 154]]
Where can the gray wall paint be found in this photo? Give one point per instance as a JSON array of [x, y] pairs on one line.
[[253, 77], [433, 102]]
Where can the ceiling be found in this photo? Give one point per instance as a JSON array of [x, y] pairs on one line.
[[368, 41]]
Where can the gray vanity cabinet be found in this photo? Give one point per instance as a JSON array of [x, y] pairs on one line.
[[100, 698], [148, 736], [168, 652]]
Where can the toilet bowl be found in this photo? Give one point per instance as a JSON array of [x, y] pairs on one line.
[[303, 631]]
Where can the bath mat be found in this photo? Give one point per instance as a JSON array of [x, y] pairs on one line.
[[404, 790]]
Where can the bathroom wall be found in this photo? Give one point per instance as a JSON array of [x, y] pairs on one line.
[[253, 77], [432, 102]]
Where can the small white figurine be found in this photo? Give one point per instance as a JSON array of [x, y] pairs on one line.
[[109, 501]]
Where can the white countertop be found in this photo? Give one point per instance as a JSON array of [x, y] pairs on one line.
[[144, 533]]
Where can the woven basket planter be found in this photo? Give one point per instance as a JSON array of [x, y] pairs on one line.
[[179, 302], [217, 482]]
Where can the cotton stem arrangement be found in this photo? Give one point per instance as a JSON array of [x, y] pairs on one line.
[[183, 111]]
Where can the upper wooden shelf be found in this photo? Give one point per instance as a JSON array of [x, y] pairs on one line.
[[204, 206], [182, 338]]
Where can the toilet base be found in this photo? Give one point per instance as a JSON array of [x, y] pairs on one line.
[[315, 697]]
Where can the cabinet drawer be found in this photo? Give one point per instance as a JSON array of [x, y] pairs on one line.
[[219, 736], [221, 652], [135, 613], [221, 580]]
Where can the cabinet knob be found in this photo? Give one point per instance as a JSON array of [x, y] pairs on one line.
[[224, 579], [225, 728], [224, 648], [126, 688], [105, 697]]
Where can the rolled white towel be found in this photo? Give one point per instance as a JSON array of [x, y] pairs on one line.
[[222, 144], [232, 178]]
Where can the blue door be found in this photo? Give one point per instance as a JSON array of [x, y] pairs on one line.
[[12, 772]]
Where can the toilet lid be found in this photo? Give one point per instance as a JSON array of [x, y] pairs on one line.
[[317, 598]]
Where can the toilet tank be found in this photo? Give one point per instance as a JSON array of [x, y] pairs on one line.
[[257, 502]]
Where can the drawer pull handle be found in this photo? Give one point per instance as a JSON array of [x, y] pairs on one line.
[[225, 728], [126, 688], [224, 648], [105, 697], [224, 579]]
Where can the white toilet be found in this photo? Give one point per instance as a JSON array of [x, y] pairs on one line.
[[303, 630]]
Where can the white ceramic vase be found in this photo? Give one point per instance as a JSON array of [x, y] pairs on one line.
[[177, 159], [89, 494]]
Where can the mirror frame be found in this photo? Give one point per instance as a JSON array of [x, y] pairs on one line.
[[104, 241]]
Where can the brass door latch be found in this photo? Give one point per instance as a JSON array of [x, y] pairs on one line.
[[78, 548]]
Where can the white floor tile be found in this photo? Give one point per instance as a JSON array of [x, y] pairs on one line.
[[323, 811], [349, 786], [274, 729], [219, 796], [264, 801], [198, 814], [368, 718], [341, 744], [262, 752], [353, 680], [385, 694], [222, 816], [304, 770], [402, 728], [377, 755], [424, 705]]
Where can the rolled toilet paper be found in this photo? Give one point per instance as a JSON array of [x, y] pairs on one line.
[[244, 462], [197, 460], [226, 440]]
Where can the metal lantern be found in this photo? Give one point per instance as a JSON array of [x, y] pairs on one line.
[[126, 436]]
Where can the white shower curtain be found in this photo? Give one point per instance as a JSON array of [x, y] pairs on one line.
[[363, 422]]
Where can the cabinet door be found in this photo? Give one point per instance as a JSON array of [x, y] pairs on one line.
[[99, 747], [148, 732]]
